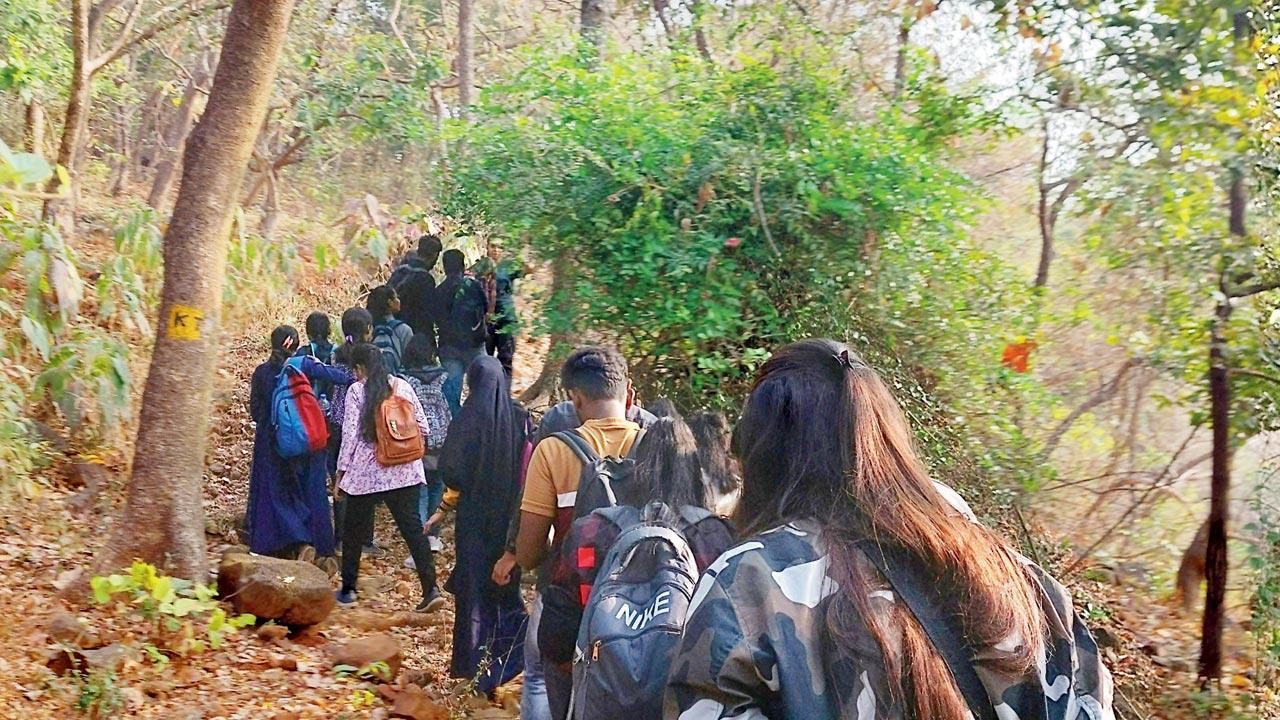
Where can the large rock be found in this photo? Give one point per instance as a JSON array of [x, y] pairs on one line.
[[288, 591], [365, 651]]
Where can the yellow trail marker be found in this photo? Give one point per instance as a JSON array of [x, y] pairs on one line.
[[184, 322]]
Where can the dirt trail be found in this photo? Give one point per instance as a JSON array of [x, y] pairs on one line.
[[45, 539]]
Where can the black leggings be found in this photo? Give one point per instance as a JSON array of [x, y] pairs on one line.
[[358, 528]]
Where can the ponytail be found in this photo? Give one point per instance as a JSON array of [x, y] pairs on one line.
[[377, 387], [284, 342]]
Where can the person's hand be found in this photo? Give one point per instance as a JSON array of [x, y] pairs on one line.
[[431, 521], [503, 569]]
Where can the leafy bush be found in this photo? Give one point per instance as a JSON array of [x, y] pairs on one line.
[[172, 605], [127, 282], [701, 215], [256, 267]]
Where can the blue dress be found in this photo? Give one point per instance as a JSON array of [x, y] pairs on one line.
[[288, 499]]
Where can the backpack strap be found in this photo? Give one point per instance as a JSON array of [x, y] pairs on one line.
[[691, 515], [635, 445], [946, 632], [578, 445]]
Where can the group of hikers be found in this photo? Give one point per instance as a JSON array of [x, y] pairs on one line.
[[802, 564]]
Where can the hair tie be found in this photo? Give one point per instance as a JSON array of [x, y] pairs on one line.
[[347, 339], [842, 359], [288, 343]]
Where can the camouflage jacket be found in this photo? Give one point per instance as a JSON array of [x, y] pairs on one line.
[[755, 645]]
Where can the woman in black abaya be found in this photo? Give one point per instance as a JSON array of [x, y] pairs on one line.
[[482, 461]]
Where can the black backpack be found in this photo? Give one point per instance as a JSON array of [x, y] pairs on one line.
[[633, 619], [605, 481], [465, 314], [384, 338]]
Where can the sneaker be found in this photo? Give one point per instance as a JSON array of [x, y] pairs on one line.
[[329, 564], [431, 603], [345, 597], [437, 545], [306, 554], [372, 550], [409, 563]]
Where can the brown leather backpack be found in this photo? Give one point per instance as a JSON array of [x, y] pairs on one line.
[[399, 437]]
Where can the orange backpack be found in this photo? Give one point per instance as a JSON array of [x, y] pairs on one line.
[[399, 437]]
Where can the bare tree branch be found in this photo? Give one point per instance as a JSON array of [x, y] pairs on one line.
[[127, 41]]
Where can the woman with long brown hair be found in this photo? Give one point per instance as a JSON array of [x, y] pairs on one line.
[[854, 559]]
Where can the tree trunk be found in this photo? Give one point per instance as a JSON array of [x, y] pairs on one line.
[[162, 520], [699, 34], [595, 13], [61, 210], [175, 136], [270, 208], [1042, 209], [34, 131], [466, 53], [124, 150], [1215, 559]]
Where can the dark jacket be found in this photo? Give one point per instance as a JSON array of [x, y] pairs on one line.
[[460, 314], [416, 287]]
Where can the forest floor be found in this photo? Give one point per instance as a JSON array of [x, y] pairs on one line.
[[45, 539]]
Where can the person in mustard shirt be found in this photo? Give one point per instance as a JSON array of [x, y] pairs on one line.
[[599, 385]]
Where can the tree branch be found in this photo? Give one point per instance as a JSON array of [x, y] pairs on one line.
[[764, 221], [127, 42], [1102, 395], [1254, 289]]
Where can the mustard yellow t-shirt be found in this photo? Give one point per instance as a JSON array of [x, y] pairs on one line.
[[551, 485]]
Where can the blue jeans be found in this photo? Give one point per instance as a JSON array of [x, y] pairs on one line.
[[533, 699], [455, 362], [429, 499]]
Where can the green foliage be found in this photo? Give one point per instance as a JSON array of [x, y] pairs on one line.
[[97, 694], [701, 216], [377, 670], [171, 604], [1264, 562], [20, 454], [257, 267], [126, 287], [369, 249]]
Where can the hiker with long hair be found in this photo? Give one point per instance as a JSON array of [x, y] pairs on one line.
[[668, 486], [712, 433], [365, 481], [288, 510], [861, 591], [482, 461]]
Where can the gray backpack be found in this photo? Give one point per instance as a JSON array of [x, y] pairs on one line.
[[631, 624]]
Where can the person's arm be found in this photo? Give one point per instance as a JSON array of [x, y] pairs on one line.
[[456, 461], [531, 541], [537, 508], [403, 334], [316, 370]]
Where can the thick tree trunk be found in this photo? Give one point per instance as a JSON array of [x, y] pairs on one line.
[[175, 136], [466, 57], [61, 210], [162, 520], [34, 131]]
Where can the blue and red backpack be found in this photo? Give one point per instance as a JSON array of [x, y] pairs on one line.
[[296, 417]]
